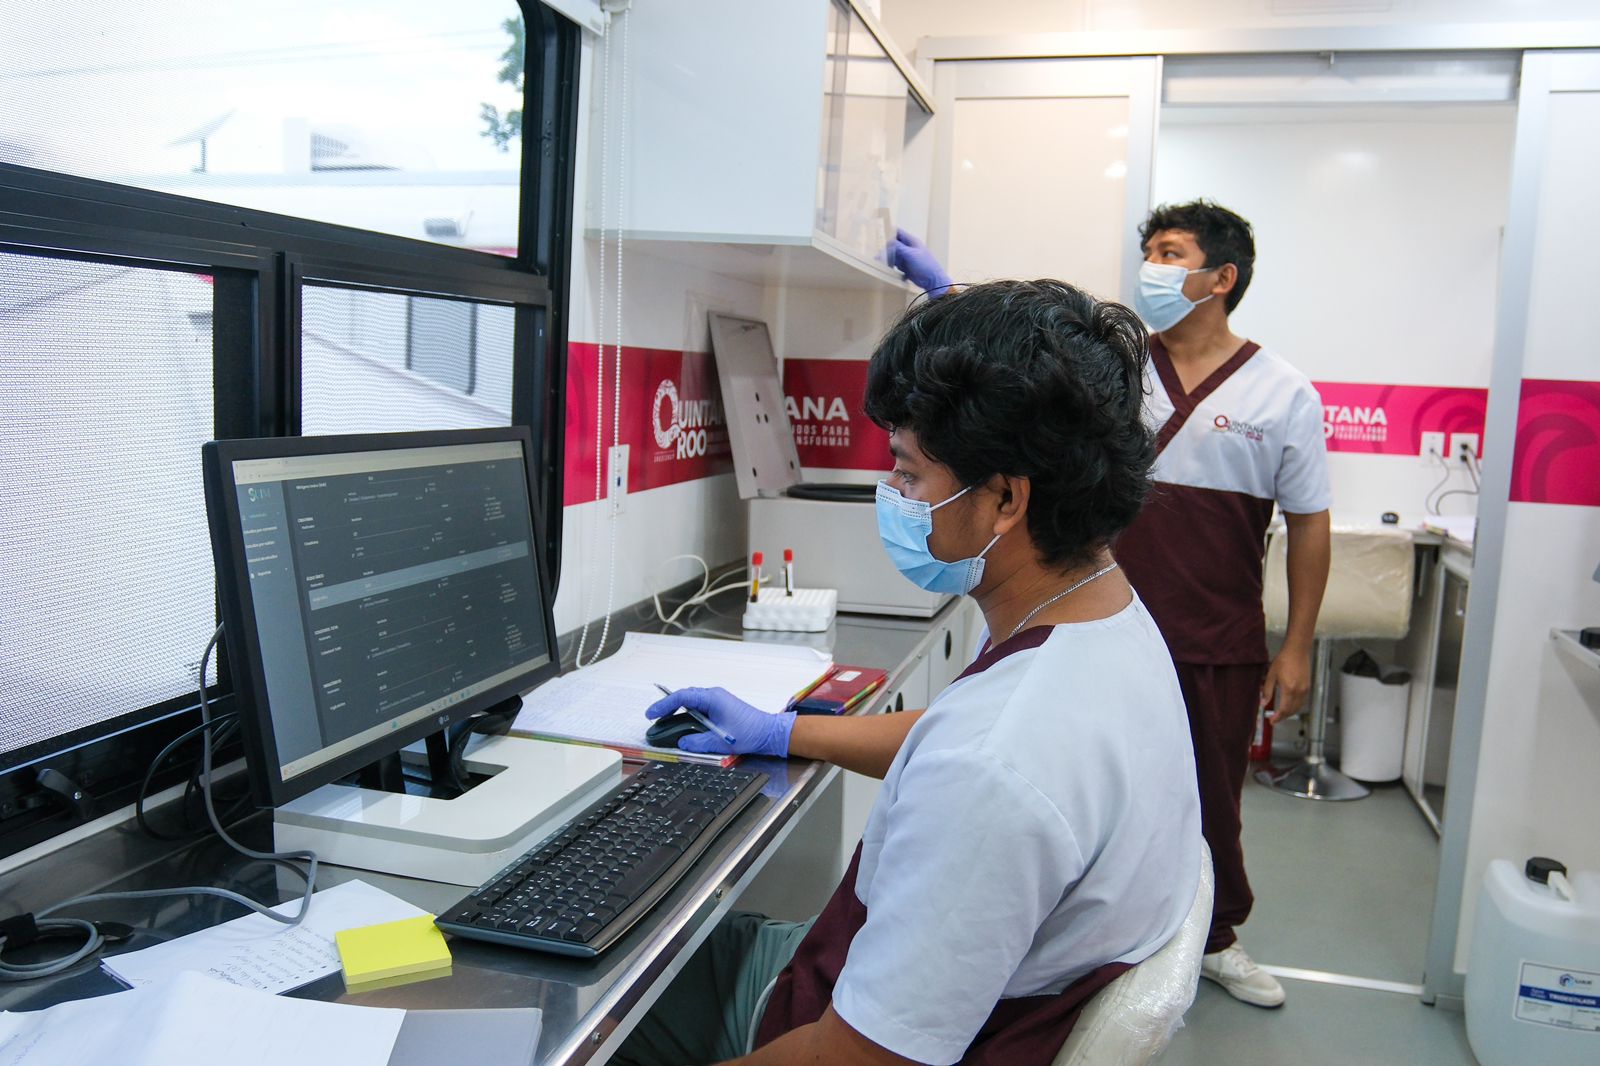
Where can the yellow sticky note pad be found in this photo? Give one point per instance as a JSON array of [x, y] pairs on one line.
[[377, 955]]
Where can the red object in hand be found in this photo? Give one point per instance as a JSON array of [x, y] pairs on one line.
[[1261, 743]]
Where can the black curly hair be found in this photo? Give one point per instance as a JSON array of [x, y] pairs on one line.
[[1223, 236], [1033, 379]]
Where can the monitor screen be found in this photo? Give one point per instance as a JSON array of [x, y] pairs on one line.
[[373, 588]]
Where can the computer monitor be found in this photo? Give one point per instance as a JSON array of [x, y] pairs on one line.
[[373, 590]]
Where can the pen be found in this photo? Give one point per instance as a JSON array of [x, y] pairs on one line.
[[788, 571], [727, 737], [755, 578]]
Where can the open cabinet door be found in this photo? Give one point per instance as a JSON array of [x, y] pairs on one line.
[[1042, 168], [1528, 706]]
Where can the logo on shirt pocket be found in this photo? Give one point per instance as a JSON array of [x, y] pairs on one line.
[[1238, 427]]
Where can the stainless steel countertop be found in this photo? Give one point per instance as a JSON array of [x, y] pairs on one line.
[[589, 1005]]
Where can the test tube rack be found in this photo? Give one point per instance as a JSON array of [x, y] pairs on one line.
[[807, 611]]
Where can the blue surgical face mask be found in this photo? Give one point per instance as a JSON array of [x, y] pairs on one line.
[[904, 526], [1159, 299]]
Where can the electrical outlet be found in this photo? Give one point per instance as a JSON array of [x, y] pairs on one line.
[[1462, 444], [1432, 449], [617, 478]]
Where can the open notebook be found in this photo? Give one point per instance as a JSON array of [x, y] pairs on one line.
[[604, 703]]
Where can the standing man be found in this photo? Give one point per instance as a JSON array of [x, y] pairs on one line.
[[1238, 430]]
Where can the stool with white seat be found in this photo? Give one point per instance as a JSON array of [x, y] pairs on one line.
[[1368, 596], [1132, 1019]]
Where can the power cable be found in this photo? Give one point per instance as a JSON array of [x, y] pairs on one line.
[[25, 928]]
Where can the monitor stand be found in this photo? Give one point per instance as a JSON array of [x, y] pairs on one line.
[[534, 787]]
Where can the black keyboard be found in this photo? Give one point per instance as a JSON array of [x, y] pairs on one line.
[[586, 885]]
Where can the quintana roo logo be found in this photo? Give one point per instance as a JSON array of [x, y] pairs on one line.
[[686, 431], [1238, 427], [666, 392]]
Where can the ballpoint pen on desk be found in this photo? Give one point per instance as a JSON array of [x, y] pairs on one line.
[[788, 571], [755, 577], [726, 736]]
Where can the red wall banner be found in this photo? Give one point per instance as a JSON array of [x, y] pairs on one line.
[[674, 425], [1390, 419], [824, 402], [672, 419], [1557, 459], [823, 398]]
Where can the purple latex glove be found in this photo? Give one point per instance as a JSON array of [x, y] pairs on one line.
[[911, 257], [754, 732]]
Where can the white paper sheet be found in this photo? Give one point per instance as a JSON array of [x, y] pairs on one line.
[[258, 953], [195, 1020], [1457, 527], [605, 702]]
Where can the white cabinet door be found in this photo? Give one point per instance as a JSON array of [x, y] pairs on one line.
[[728, 105], [1042, 168], [911, 694], [951, 648], [861, 792]]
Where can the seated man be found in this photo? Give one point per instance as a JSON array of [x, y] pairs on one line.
[[1038, 830]]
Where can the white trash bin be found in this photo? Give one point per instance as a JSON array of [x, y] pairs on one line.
[[1372, 727]]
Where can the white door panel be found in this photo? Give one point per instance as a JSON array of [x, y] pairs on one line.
[[1042, 169]]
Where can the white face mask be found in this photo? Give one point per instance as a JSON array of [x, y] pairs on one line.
[[1160, 300]]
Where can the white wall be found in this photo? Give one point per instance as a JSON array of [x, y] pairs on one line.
[[664, 306], [833, 324], [1377, 240], [828, 323]]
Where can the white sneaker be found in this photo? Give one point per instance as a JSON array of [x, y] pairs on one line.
[[1241, 978]]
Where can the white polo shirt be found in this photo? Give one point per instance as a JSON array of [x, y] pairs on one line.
[[1040, 821]]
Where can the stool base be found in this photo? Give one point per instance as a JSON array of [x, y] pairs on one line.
[[1315, 780]]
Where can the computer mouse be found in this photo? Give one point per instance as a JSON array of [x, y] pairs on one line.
[[669, 730]]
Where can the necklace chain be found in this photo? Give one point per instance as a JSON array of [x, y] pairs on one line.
[[1063, 594]]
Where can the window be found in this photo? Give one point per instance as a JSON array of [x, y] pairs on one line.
[[107, 374], [378, 361], [360, 242], [387, 115]]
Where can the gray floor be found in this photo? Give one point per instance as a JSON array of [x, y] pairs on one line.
[[1343, 888]]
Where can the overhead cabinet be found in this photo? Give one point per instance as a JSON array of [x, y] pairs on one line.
[[765, 139]]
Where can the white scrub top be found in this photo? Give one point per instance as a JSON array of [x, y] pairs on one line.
[[1040, 820], [1248, 437]]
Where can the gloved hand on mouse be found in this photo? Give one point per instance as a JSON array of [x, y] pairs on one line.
[[754, 731], [912, 258]]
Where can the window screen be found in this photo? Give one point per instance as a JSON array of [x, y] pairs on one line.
[[106, 587], [400, 116], [375, 362]]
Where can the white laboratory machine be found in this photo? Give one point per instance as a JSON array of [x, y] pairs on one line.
[[832, 528]]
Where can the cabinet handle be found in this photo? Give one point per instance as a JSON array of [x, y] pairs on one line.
[[949, 645], [899, 701]]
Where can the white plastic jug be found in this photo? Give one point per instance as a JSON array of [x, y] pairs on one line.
[[1533, 971]]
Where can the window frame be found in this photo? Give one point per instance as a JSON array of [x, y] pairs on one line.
[[258, 260]]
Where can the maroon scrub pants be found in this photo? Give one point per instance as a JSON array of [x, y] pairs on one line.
[[1223, 702]]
